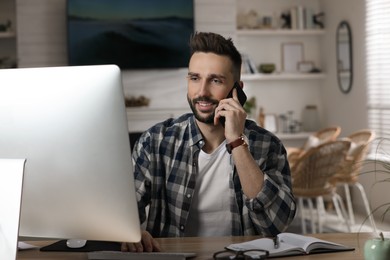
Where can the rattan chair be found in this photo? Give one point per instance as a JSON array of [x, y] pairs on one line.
[[311, 175], [322, 136], [348, 175]]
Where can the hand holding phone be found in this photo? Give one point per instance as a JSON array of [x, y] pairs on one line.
[[241, 98]]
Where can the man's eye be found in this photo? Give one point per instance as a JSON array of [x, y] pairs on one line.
[[217, 81], [192, 78]]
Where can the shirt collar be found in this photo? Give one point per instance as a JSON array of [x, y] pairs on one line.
[[195, 136]]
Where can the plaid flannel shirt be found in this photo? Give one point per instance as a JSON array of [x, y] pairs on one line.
[[165, 165]]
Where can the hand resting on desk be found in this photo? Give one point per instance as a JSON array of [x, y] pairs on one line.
[[147, 244]]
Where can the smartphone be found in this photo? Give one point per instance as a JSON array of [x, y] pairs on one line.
[[241, 98]]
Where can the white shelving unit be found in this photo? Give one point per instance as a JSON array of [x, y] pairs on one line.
[[7, 35], [280, 92], [282, 76], [279, 32], [277, 37]]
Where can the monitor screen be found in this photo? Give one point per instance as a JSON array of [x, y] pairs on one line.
[[133, 34], [70, 124]]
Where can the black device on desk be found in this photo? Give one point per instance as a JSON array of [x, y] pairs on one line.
[[241, 98]]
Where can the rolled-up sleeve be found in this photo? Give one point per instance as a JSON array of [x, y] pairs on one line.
[[274, 207]]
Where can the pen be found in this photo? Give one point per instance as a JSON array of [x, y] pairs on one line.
[[276, 242]]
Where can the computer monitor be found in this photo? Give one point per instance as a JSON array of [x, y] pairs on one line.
[[70, 124]]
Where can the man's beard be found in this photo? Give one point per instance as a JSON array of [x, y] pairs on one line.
[[208, 119]]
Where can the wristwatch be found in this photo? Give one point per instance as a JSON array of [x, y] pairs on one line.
[[242, 140]]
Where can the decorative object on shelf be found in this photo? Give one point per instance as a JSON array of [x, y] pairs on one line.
[[252, 19], [289, 124], [318, 20], [292, 54], [267, 68], [241, 20], [286, 18], [310, 118], [250, 107], [271, 122], [315, 70], [305, 66], [267, 22], [344, 56], [283, 119], [300, 18], [6, 26], [140, 101], [261, 117], [267, 121], [293, 124]]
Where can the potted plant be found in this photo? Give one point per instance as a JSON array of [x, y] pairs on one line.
[[378, 248]]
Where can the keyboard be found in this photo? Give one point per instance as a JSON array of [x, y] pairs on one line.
[[117, 255]]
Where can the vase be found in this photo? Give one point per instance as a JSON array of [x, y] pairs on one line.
[[310, 119]]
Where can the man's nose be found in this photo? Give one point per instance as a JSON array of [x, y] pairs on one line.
[[204, 89]]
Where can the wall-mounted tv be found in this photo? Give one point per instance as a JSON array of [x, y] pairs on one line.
[[133, 34]]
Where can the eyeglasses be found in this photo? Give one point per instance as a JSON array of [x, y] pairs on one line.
[[245, 254]]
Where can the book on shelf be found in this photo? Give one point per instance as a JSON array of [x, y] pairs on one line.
[[248, 66], [301, 18], [290, 244]]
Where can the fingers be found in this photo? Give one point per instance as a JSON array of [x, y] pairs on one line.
[[147, 244], [156, 246], [229, 107], [132, 247], [229, 103]]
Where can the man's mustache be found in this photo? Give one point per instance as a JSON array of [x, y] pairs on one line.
[[205, 99]]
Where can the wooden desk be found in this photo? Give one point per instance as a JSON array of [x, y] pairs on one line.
[[205, 247]]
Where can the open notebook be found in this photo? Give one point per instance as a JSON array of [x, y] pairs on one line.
[[291, 244]]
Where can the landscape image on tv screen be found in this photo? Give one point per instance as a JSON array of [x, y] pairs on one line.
[[133, 34]]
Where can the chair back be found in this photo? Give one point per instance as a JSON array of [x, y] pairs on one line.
[[311, 174], [322, 136], [360, 144]]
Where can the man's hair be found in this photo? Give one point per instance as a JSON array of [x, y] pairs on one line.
[[215, 43]]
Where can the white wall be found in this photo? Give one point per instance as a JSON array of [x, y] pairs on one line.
[[346, 110]]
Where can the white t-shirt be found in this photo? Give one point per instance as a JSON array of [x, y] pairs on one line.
[[210, 214]]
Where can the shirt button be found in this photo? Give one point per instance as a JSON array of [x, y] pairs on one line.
[[188, 195], [181, 227]]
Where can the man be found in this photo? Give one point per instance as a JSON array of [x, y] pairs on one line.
[[200, 178]]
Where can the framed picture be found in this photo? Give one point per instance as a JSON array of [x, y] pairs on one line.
[[132, 34], [292, 54]]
